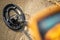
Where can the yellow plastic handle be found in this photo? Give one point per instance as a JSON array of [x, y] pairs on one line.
[[32, 23]]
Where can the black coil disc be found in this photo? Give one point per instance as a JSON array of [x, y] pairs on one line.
[[14, 20]]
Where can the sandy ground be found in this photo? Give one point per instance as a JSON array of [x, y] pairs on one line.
[[28, 6]]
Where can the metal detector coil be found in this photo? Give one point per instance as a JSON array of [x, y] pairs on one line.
[[15, 21]]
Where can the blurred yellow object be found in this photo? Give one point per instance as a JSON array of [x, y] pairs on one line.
[[54, 33], [33, 27]]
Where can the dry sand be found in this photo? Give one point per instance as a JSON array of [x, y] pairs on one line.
[[28, 6]]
